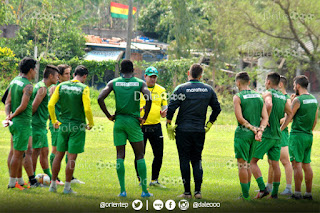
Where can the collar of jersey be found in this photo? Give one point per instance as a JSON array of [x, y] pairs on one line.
[[194, 81], [75, 81]]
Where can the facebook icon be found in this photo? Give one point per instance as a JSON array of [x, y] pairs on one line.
[[170, 204]]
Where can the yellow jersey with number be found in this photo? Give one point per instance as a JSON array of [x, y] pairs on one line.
[[159, 99]]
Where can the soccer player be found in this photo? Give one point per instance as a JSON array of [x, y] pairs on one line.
[[40, 116], [305, 114], [127, 121], [72, 125], [284, 154], [276, 104], [64, 75], [18, 109], [252, 117], [192, 99], [152, 127]]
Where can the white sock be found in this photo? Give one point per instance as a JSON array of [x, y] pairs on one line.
[[288, 186], [297, 193], [307, 194], [53, 184], [20, 181], [67, 185], [269, 185], [12, 182]]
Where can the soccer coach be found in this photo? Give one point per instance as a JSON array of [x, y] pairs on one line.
[[192, 98]]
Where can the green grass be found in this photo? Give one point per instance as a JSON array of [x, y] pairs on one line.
[[96, 167]]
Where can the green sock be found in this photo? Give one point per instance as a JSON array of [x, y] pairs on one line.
[[121, 173], [275, 188], [51, 159], [142, 171], [47, 171], [261, 184], [66, 159], [249, 185], [245, 189]]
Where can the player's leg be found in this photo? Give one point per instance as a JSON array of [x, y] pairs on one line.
[[35, 155], [298, 177], [276, 178], [270, 176], [156, 142], [27, 163], [14, 167], [10, 155], [145, 140], [69, 172], [44, 152], [121, 152], [56, 165], [308, 176], [196, 161], [284, 158], [184, 148]]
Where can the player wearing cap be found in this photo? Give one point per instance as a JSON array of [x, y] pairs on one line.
[[152, 128]]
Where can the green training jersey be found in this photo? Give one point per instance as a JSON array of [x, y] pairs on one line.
[[70, 97], [127, 95], [251, 107], [16, 87], [304, 118], [40, 117], [279, 100], [286, 129]]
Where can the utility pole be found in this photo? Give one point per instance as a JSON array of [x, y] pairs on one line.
[[129, 36]]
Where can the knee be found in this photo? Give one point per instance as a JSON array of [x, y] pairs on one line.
[[28, 152]]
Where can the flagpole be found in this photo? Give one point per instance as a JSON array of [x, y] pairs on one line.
[[129, 31]]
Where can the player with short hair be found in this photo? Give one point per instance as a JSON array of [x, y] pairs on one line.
[[276, 104], [152, 128], [40, 116], [305, 115], [63, 75], [284, 154], [252, 117], [18, 109], [127, 121], [72, 125], [192, 99]]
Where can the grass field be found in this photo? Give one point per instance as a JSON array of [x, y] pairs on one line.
[[96, 167]]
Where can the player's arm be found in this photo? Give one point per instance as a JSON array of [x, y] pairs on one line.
[[27, 92], [8, 105], [215, 106], [51, 90], [164, 104], [263, 123], [87, 106], [315, 120], [147, 94], [174, 104], [38, 99], [267, 97], [103, 95], [284, 118], [239, 116], [5, 95], [291, 111], [51, 107]]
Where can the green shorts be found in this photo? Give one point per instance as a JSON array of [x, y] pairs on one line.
[[244, 148], [300, 145], [126, 127], [71, 138], [54, 135], [20, 135], [284, 139], [270, 146], [39, 137]]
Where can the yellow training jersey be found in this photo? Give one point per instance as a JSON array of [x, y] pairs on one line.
[[159, 99]]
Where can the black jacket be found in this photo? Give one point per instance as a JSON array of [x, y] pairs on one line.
[[192, 99]]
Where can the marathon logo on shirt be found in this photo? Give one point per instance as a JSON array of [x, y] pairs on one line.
[[251, 96], [127, 84], [71, 88], [310, 101], [279, 96], [17, 82], [197, 90]]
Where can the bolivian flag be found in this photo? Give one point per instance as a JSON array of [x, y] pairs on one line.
[[120, 10]]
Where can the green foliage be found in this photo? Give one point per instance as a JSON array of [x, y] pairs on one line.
[[8, 66]]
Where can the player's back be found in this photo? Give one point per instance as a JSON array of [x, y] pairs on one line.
[[127, 95], [70, 96], [16, 87], [279, 100], [41, 116], [304, 118], [251, 107]]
